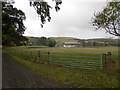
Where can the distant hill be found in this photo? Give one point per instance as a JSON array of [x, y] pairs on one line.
[[60, 40], [102, 39]]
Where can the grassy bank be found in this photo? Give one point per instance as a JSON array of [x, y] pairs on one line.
[[107, 78]]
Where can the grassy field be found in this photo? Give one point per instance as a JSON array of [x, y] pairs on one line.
[[28, 49], [106, 78]]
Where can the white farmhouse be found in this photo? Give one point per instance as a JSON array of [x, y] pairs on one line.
[[72, 44]]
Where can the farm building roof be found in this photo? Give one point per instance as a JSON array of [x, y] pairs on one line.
[[72, 43]]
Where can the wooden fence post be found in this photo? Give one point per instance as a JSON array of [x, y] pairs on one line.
[[39, 56], [110, 57], [104, 60], [48, 56]]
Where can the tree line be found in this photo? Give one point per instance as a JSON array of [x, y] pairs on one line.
[[90, 43], [40, 41]]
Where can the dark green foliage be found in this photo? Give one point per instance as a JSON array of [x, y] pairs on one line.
[[108, 19], [43, 9], [43, 40], [84, 44], [51, 42], [94, 43], [12, 24], [89, 43], [114, 43], [99, 42], [47, 41]]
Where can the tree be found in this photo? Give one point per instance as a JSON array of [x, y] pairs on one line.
[[108, 19], [83, 42], [89, 43], [51, 42], [94, 43], [43, 9], [43, 40], [13, 27], [12, 24]]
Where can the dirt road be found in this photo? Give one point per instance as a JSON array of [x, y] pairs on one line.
[[16, 75]]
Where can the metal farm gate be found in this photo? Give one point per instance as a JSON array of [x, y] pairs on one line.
[[66, 59], [77, 60]]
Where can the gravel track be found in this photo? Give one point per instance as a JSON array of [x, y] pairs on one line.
[[16, 75]]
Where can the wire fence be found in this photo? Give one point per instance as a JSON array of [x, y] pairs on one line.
[[66, 59], [77, 60]]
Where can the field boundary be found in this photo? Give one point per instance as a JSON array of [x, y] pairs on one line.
[[77, 60], [66, 59], [100, 63]]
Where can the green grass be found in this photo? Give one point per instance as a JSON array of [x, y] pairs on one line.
[[76, 77], [106, 78], [76, 60], [113, 50], [65, 55], [29, 47]]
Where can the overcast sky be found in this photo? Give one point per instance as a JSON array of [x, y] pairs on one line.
[[73, 20]]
